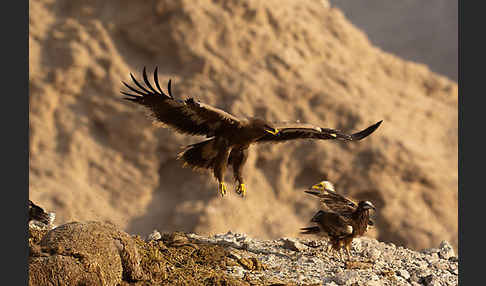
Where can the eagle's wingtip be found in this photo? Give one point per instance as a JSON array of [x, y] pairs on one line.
[[364, 133]]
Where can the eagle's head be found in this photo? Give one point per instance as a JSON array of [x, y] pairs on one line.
[[264, 126], [323, 186], [366, 205]]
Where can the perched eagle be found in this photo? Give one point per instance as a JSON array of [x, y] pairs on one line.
[[340, 219], [229, 136], [38, 214]]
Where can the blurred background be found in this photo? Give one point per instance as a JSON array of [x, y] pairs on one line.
[[420, 31], [94, 156]]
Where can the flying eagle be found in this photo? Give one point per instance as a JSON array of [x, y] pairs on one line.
[[340, 219], [229, 136], [38, 214]]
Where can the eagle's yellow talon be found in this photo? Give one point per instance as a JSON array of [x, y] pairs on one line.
[[241, 190], [222, 188]]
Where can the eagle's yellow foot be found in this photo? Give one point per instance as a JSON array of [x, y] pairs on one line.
[[222, 188], [241, 190]]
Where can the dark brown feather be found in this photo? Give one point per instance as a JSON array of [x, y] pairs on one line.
[[334, 202], [37, 213], [308, 131], [188, 116]]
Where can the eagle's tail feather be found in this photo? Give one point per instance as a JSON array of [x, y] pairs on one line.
[[310, 230], [200, 155]]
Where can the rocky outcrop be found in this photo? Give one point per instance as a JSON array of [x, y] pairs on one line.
[[95, 253]]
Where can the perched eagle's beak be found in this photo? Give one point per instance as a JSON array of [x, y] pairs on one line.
[[324, 185], [316, 187], [273, 132]]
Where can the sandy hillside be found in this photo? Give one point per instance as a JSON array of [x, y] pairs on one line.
[[94, 156]]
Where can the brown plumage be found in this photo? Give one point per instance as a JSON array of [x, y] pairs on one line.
[[340, 219], [229, 136], [38, 214]]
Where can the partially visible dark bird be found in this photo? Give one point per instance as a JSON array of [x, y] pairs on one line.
[[38, 214], [229, 136], [340, 219]]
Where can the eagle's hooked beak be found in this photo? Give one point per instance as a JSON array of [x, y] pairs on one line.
[[324, 185], [316, 187], [273, 132]]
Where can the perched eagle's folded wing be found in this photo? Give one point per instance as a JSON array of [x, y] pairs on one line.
[[308, 131], [334, 202], [186, 116], [333, 224]]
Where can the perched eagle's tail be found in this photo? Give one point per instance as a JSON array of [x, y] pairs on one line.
[[310, 230], [200, 155]]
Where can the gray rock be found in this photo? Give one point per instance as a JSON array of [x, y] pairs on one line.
[[373, 253], [376, 264], [431, 280], [454, 269], [293, 244], [374, 283], [445, 250], [155, 235], [432, 257], [430, 250], [346, 277], [403, 273]]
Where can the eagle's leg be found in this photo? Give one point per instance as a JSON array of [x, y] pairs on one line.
[[237, 159], [220, 163], [334, 247], [348, 251], [222, 188], [341, 253], [329, 247]]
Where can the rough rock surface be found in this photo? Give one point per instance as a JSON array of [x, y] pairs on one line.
[[89, 253], [86, 253], [372, 262], [94, 156]]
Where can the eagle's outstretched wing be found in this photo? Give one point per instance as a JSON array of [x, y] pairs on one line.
[[307, 131], [186, 116]]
